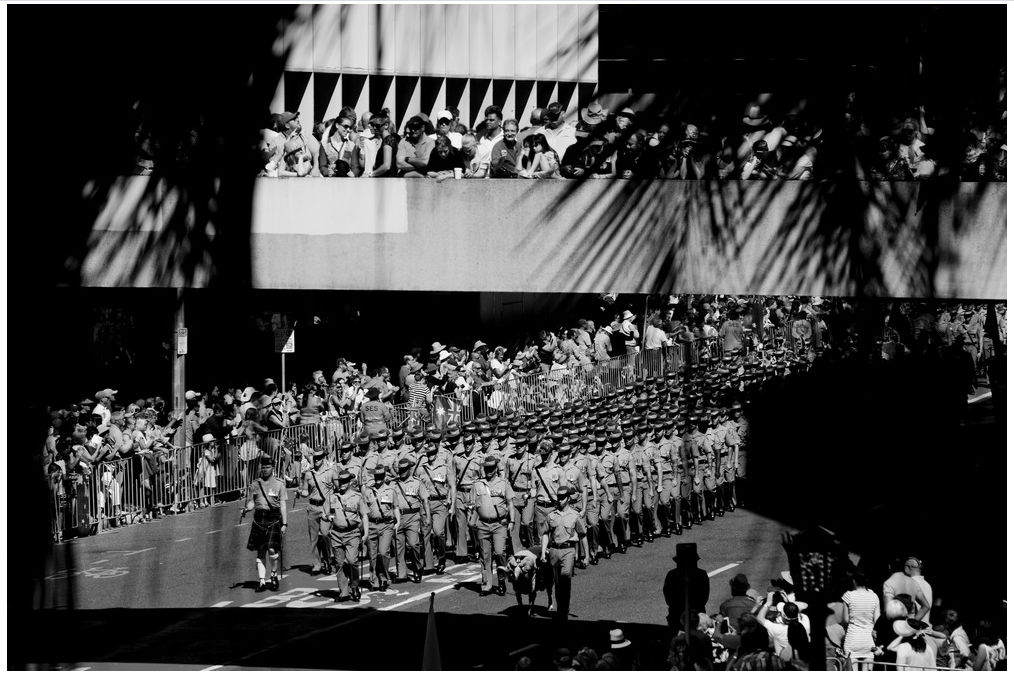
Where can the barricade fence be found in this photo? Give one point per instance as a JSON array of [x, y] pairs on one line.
[[127, 490]]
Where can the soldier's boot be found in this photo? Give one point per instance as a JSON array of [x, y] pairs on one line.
[[675, 514], [716, 499], [605, 540], [738, 488], [664, 519], [686, 517], [698, 509], [729, 505], [709, 502], [647, 525]]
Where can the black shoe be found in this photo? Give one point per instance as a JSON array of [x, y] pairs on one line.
[[719, 513], [441, 566], [326, 569], [501, 589], [485, 593], [650, 538], [636, 544], [679, 530], [417, 578], [607, 554], [580, 566], [384, 586], [261, 587], [315, 572], [621, 549], [356, 593], [594, 560], [274, 582]]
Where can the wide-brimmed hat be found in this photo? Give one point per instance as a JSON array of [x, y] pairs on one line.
[[444, 355], [478, 345], [437, 348], [908, 627], [627, 315], [740, 582], [628, 113], [594, 114], [754, 117], [105, 393], [616, 639]]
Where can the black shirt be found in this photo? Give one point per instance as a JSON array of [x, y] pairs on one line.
[[437, 164]]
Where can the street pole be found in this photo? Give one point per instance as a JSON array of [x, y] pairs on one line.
[[283, 373], [179, 367]]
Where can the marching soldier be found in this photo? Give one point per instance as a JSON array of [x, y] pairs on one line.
[[667, 495], [609, 493], [628, 487], [413, 498], [729, 435], [467, 463], [490, 503], [587, 465], [693, 440], [548, 478], [712, 470], [743, 433], [350, 521], [348, 462], [267, 498], [370, 459], [559, 546], [384, 520], [519, 468], [318, 485], [388, 455], [436, 474]]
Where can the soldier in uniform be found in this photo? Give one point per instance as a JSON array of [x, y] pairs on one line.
[[587, 465], [668, 492], [350, 522], [467, 468], [436, 474], [519, 469], [627, 473], [318, 485], [578, 484], [366, 451], [729, 434], [743, 433], [609, 492], [414, 507], [388, 455], [347, 462], [649, 483], [712, 447], [489, 505], [267, 497], [376, 415], [692, 442], [548, 477], [384, 520], [560, 537]]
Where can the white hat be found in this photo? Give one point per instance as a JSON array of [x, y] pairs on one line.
[[445, 115], [616, 639], [444, 355], [191, 395], [627, 315]]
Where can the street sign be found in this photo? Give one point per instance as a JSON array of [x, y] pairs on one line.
[[285, 341], [181, 341]]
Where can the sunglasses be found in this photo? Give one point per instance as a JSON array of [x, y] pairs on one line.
[[345, 126]]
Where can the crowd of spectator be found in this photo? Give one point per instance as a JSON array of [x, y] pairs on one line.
[[600, 144]]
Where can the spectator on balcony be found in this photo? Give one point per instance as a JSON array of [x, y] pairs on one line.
[[446, 128], [557, 131], [593, 161], [414, 151], [685, 160], [910, 143], [504, 154], [337, 150], [926, 167], [297, 154], [297, 161], [539, 161], [534, 126], [444, 159], [591, 117], [654, 336], [635, 161], [624, 119], [889, 165], [492, 128], [755, 166], [603, 343], [385, 163], [476, 157]]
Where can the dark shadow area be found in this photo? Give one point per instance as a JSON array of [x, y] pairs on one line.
[[294, 639]]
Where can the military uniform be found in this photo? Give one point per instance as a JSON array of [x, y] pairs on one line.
[[628, 479], [467, 468], [712, 473], [693, 442], [353, 465], [382, 506], [318, 485], [548, 477], [436, 475], [563, 530], [606, 472], [729, 453], [586, 465], [519, 469], [743, 433], [348, 511], [413, 505], [268, 499], [491, 500], [668, 496]]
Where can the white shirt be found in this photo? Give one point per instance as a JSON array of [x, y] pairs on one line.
[[780, 632], [561, 138], [654, 337], [479, 163], [453, 136], [104, 412]]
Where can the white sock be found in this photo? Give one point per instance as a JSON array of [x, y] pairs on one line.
[[260, 569], [274, 564]]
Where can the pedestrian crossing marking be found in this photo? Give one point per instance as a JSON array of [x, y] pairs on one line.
[[224, 603]]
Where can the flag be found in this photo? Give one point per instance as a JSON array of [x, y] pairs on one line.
[[431, 648]]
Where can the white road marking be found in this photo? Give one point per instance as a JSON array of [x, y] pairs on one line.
[[100, 561], [134, 553], [213, 532], [723, 569], [213, 668], [427, 594], [83, 668], [980, 397], [224, 603], [526, 647], [184, 539]]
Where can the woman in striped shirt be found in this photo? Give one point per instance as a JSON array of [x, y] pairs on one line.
[[859, 614]]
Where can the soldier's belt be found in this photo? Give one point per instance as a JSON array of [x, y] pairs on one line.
[[544, 502], [519, 489], [382, 520], [562, 545], [410, 510], [316, 502], [351, 528], [492, 520]]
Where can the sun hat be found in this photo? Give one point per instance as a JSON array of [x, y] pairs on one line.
[[616, 639], [594, 114]]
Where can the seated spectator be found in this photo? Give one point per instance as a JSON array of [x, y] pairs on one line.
[[445, 119], [337, 149], [785, 626], [385, 164], [754, 649], [593, 161], [504, 154], [740, 603], [443, 160], [756, 166], [476, 157], [539, 161], [589, 120], [916, 644], [686, 159], [635, 161], [990, 649], [414, 150], [889, 165]]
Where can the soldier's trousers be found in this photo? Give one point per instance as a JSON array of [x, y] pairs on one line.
[[607, 513], [591, 518], [461, 533], [379, 542], [522, 535], [319, 527], [435, 536], [723, 458], [493, 547], [409, 534], [345, 547], [741, 463], [666, 514], [562, 562], [623, 513]]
